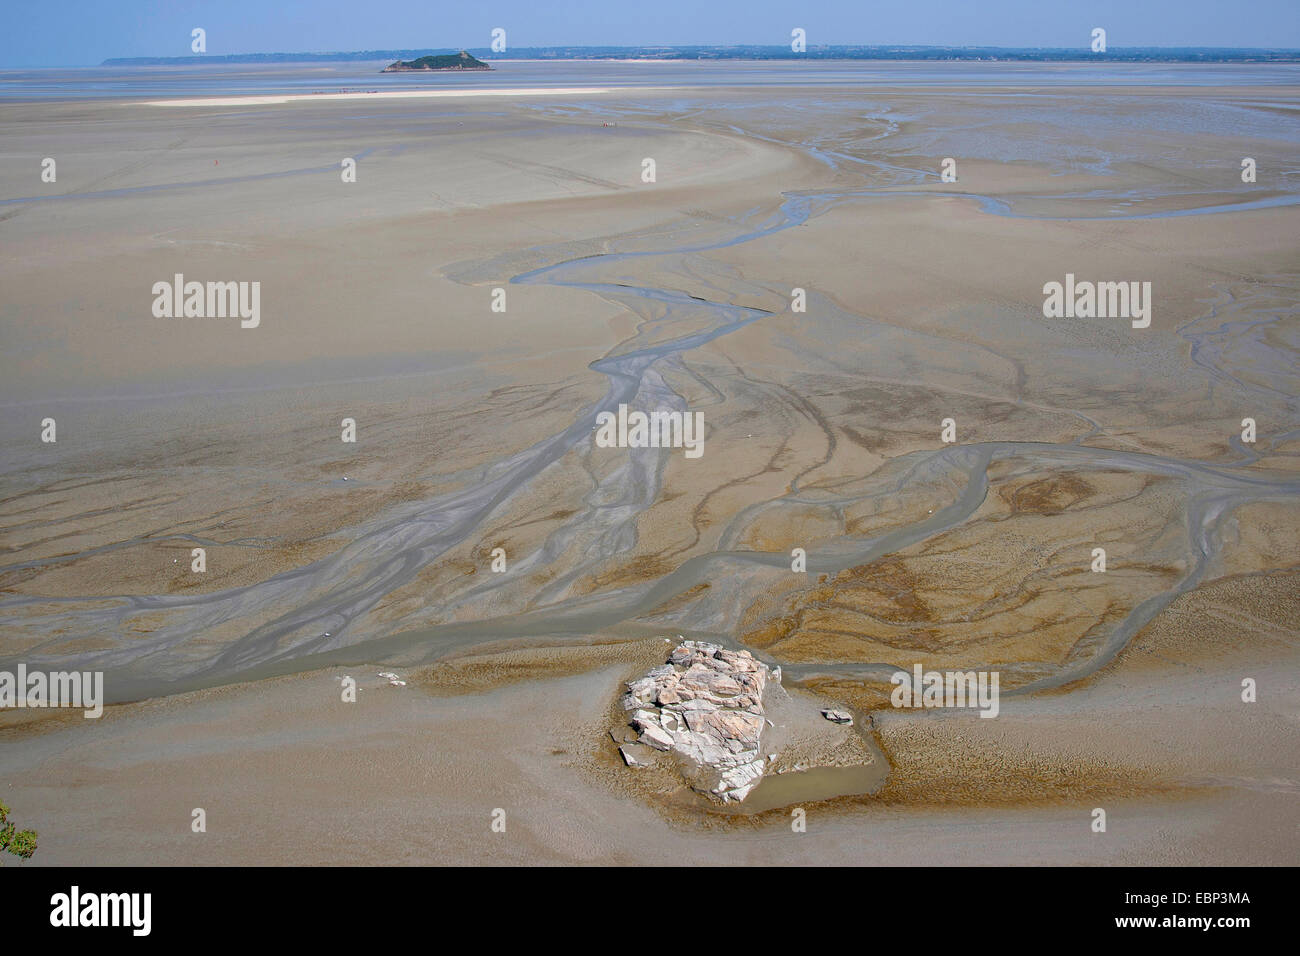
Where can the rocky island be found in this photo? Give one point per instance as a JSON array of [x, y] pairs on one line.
[[721, 722], [706, 705], [449, 61]]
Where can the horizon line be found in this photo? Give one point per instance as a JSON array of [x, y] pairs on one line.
[[767, 51]]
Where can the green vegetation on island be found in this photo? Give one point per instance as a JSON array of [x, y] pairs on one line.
[[460, 61], [21, 843]]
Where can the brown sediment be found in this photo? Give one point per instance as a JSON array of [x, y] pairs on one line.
[[1003, 588], [479, 671], [646, 567], [940, 766], [937, 762], [1047, 496]]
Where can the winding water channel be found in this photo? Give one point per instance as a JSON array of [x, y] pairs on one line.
[[317, 607]]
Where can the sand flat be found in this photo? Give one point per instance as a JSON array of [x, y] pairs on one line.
[[823, 433], [377, 95]]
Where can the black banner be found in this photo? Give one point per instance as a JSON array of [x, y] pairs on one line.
[[180, 905]]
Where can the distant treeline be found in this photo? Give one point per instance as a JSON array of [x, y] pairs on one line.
[[1025, 54]]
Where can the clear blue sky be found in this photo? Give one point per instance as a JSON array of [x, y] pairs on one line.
[[85, 32]]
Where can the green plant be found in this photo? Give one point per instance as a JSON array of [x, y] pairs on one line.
[[21, 843]]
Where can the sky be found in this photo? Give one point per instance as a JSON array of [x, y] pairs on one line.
[[37, 33]]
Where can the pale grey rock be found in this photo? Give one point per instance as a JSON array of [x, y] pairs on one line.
[[695, 705], [642, 690], [634, 755], [706, 707], [838, 716], [737, 782], [655, 736]]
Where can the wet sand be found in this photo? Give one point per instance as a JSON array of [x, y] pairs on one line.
[[413, 776], [823, 432]]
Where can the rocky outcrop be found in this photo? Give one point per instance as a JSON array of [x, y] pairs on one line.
[[705, 706], [450, 61]]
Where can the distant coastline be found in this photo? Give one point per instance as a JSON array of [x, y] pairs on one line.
[[670, 53]]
